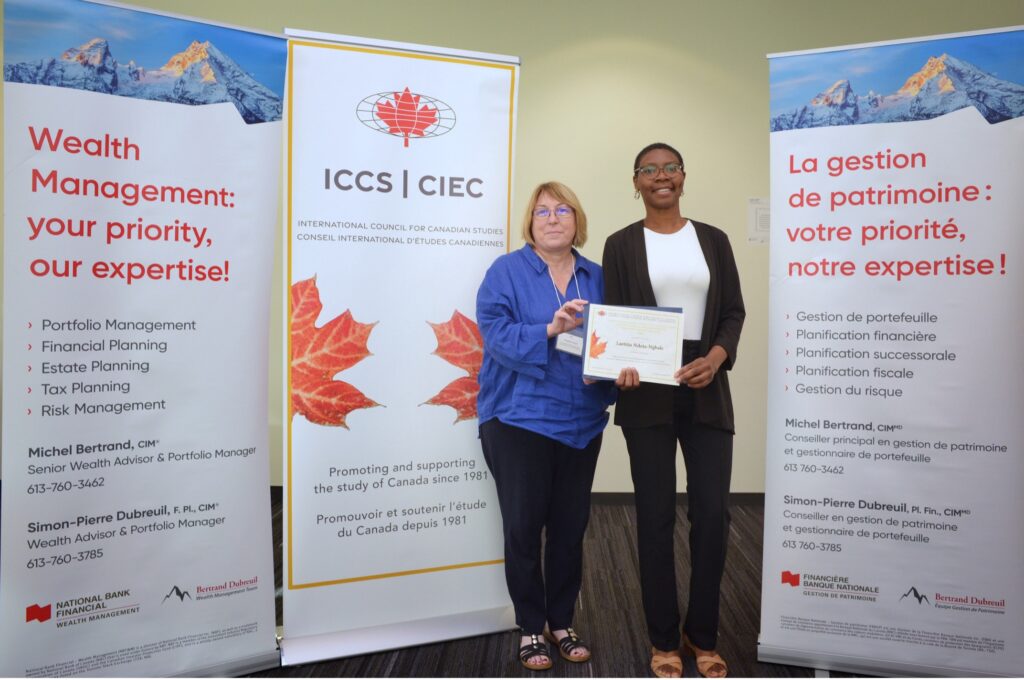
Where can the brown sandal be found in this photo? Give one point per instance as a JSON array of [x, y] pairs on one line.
[[709, 663], [666, 664]]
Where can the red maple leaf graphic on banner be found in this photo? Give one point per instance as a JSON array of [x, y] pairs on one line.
[[460, 344], [406, 116], [318, 354], [597, 345]]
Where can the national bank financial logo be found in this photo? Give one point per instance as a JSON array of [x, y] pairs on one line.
[[790, 578], [83, 609], [36, 613], [406, 114]]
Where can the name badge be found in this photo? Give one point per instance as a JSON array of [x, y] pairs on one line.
[[570, 342]]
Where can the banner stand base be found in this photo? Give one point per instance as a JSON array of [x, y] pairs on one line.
[[236, 667], [300, 650], [859, 665]]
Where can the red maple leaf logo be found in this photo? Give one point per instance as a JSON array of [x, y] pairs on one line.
[[460, 344], [597, 345], [318, 354], [406, 117]]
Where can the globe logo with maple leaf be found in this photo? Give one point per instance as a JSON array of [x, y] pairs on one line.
[[406, 114]]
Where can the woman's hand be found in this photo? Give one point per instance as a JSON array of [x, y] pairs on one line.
[[701, 371], [565, 318], [629, 379]]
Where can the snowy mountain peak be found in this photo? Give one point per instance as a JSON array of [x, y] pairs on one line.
[[93, 53], [197, 52], [933, 70], [198, 76], [943, 85], [838, 94]]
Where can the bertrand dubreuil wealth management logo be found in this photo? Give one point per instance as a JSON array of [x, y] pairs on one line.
[[406, 114], [223, 588], [957, 602]]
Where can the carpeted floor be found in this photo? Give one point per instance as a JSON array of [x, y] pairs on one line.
[[610, 617]]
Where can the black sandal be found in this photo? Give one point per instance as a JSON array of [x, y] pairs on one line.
[[535, 648], [569, 644]]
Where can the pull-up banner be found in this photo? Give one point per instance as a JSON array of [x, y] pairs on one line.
[[399, 181], [141, 174], [895, 437]]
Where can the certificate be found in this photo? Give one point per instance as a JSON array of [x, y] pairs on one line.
[[649, 339]]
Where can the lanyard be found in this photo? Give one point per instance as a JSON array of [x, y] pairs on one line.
[[570, 342], [558, 296]]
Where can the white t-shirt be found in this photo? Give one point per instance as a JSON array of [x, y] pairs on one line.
[[679, 275]]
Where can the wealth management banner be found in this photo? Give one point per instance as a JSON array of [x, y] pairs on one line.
[[141, 171], [895, 438], [399, 172]]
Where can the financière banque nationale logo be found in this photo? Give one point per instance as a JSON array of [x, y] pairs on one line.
[[406, 114], [829, 585]]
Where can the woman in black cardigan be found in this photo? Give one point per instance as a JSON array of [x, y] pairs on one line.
[[669, 260]]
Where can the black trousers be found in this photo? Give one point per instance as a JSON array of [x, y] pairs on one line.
[[707, 453], [543, 487]]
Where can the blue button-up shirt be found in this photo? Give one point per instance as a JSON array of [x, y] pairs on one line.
[[524, 380]]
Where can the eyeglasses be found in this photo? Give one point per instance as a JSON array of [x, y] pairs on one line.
[[652, 170], [561, 212]]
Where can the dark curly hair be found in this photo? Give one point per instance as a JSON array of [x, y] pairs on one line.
[[651, 147]]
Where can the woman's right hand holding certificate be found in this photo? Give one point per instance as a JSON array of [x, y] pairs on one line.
[[567, 317]]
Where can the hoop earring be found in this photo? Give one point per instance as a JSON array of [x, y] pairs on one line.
[[636, 195]]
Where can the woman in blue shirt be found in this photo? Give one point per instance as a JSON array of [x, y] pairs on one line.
[[540, 424]]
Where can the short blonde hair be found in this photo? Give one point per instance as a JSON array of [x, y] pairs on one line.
[[562, 194]]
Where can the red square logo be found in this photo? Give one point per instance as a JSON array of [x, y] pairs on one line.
[[37, 613]]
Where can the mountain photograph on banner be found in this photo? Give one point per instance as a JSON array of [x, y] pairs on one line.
[[174, 61], [923, 82]]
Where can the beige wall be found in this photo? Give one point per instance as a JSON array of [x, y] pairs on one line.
[[600, 79]]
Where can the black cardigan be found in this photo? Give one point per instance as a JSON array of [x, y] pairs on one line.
[[627, 282]]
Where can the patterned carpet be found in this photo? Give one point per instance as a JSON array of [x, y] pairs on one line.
[[610, 617]]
